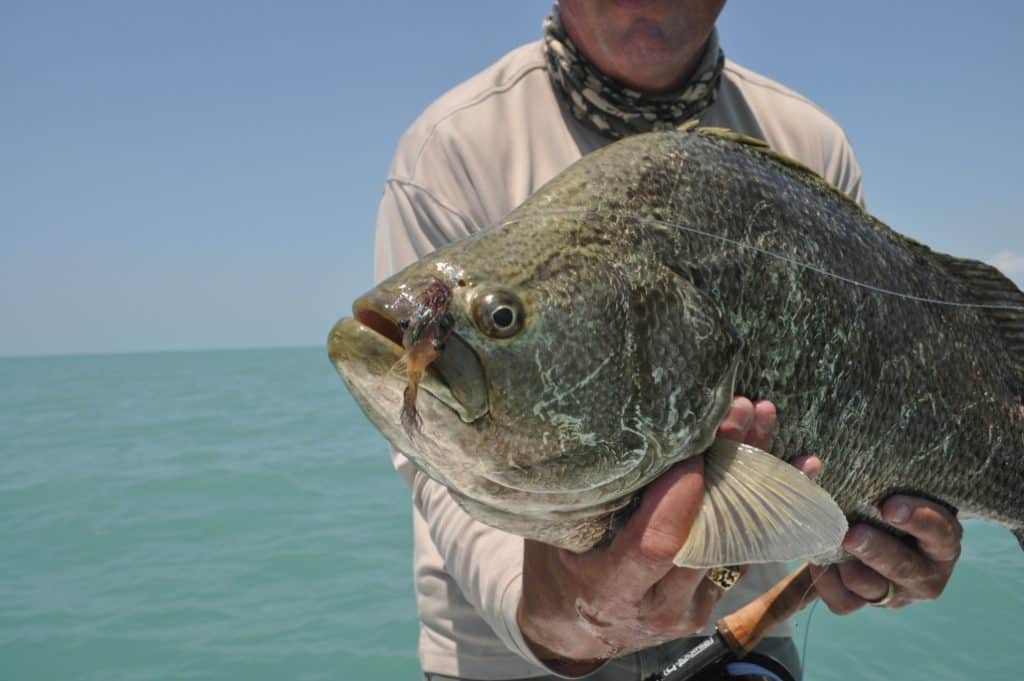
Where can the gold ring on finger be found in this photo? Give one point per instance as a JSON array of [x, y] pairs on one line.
[[724, 577], [887, 598]]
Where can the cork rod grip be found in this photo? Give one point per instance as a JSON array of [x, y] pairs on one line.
[[745, 628]]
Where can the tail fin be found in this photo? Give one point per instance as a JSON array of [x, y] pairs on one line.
[[1019, 534]]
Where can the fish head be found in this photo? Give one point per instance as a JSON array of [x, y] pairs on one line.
[[579, 365]]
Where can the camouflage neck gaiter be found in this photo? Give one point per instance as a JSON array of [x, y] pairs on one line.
[[613, 109]]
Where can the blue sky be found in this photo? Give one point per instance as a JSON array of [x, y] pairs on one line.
[[205, 174]]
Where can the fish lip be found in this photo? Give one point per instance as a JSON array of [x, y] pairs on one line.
[[375, 311], [383, 324]]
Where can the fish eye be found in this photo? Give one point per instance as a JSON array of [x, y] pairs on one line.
[[503, 317], [499, 314]]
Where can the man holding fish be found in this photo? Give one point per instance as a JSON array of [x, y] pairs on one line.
[[494, 606]]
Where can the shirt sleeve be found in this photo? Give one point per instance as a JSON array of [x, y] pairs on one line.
[[843, 171], [486, 563], [413, 221]]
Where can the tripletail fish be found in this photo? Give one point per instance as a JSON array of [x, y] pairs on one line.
[[605, 325]]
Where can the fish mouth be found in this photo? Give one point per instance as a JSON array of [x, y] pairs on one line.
[[373, 337]]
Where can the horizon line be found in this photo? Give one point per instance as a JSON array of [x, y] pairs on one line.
[[115, 353]]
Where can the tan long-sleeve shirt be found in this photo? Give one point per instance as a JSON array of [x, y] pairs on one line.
[[470, 158]]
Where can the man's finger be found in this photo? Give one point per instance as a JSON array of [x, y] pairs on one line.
[[860, 580], [830, 588], [760, 434], [937, 531], [808, 464], [644, 549], [738, 421], [904, 566]]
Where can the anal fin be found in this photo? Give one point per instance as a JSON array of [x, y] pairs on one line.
[[759, 509]]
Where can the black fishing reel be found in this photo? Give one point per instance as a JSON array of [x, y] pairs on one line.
[[753, 667], [712, 660]]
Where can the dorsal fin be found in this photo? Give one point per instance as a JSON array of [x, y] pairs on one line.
[[760, 146], [1005, 302], [732, 135], [688, 125]]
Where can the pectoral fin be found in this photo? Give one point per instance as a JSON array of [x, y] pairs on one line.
[[759, 509]]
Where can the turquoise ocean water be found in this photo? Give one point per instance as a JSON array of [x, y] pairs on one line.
[[231, 515]]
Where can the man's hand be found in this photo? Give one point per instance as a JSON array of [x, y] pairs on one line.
[[917, 572], [629, 595], [626, 596]]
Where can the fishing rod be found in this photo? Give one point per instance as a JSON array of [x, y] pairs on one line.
[[737, 634]]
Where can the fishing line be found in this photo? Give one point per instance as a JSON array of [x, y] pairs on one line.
[[807, 622], [807, 634], [764, 251]]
